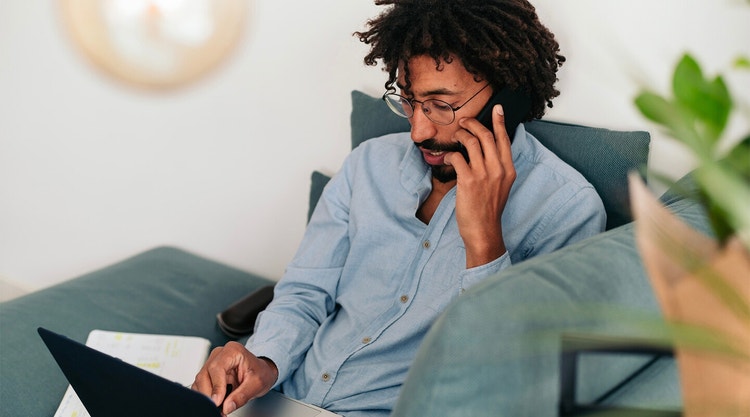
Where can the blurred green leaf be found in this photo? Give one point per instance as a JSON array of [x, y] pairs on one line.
[[729, 196], [707, 102], [677, 121], [725, 192], [657, 109], [708, 340], [717, 217], [738, 159], [742, 62]]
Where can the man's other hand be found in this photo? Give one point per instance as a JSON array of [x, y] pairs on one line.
[[249, 376]]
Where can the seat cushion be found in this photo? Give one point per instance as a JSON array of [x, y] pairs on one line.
[[164, 290]]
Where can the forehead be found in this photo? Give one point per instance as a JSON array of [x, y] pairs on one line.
[[430, 77]]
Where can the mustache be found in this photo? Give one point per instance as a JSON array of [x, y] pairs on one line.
[[435, 146]]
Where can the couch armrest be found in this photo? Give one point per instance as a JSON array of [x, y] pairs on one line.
[[164, 290]]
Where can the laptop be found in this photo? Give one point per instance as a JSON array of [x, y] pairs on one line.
[[110, 387]]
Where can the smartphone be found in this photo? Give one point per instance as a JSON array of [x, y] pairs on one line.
[[516, 106]]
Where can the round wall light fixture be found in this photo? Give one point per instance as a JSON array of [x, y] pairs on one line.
[[155, 43]]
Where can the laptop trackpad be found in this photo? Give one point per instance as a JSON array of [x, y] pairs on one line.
[[275, 404]]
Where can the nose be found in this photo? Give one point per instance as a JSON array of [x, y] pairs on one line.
[[422, 128]]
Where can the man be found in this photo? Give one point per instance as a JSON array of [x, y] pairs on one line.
[[403, 230]]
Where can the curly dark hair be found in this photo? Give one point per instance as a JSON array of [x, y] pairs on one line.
[[501, 41]]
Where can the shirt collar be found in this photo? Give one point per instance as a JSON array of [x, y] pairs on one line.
[[415, 174]]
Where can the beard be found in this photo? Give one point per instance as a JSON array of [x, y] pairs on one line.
[[442, 173]]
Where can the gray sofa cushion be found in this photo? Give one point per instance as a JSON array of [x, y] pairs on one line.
[[371, 118], [318, 181], [163, 290], [603, 156]]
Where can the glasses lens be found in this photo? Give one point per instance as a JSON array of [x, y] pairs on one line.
[[399, 105], [439, 111]]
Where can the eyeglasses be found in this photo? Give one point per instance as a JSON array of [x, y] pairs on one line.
[[437, 111]]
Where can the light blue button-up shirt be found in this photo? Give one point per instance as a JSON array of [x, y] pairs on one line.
[[370, 278]]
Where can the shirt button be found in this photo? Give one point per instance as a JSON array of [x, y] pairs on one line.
[[326, 377], [404, 298], [426, 244], [366, 340]]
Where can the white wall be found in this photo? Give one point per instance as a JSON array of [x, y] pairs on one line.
[[92, 171]]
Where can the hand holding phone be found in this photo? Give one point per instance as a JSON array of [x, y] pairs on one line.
[[480, 204], [516, 106]]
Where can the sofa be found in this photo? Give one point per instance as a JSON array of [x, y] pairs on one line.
[[496, 351]]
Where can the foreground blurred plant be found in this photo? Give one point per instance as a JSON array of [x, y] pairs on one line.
[[702, 284]]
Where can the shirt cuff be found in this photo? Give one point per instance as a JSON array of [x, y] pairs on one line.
[[472, 276], [278, 358]]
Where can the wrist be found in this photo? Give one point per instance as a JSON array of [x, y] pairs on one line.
[[484, 251], [272, 366]]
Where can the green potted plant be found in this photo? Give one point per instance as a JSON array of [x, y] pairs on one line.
[[702, 283]]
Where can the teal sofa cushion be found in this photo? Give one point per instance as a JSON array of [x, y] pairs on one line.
[[371, 118], [164, 290], [604, 157], [318, 181]]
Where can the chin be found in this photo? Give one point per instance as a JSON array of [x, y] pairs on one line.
[[443, 173]]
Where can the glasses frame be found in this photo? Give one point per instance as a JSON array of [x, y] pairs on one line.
[[421, 103]]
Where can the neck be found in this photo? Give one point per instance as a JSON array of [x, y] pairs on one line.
[[441, 188], [430, 205]]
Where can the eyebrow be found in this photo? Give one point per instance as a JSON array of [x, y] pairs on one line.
[[435, 92], [441, 92]]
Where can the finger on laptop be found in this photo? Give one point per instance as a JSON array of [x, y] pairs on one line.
[[254, 380], [215, 374]]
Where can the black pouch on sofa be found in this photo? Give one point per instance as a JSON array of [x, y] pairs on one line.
[[238, 319]]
